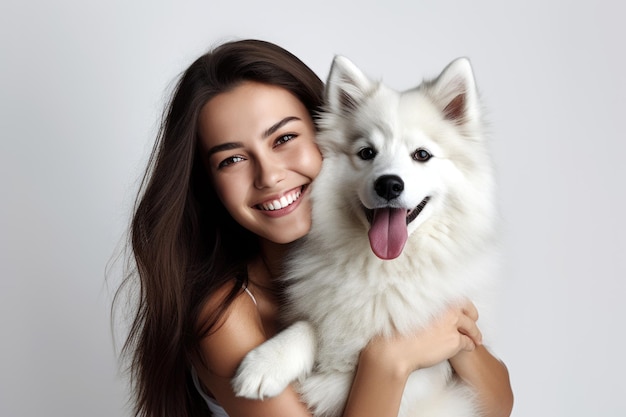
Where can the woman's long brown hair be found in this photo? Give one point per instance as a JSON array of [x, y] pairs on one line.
[[184, 243]]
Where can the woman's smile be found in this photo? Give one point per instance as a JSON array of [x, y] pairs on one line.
[[278, 203]]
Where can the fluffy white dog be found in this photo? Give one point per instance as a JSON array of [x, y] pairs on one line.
[[403, 226]]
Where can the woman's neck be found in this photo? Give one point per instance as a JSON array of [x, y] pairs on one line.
[[273, 255], [263, 274]]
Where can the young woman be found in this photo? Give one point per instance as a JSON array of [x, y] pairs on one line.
[[224, 195]]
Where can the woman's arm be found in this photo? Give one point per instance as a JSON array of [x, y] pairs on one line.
[[490, 379], [376, 391], [384, 365], [482, 371], [239, 331]]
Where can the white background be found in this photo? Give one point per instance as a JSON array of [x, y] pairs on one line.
[[82, 87]]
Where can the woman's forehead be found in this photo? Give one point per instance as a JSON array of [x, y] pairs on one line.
[[248, 110]]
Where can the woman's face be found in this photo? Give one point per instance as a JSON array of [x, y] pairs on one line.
[[258, 144]]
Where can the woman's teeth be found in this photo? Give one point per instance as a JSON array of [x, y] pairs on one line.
[[284, 201]]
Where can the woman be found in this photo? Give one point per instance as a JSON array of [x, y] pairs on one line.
[[225, 193]]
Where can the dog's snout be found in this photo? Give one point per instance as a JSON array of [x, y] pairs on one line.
[[389, 186]]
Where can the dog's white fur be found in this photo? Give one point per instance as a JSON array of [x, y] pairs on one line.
[[341, 294]]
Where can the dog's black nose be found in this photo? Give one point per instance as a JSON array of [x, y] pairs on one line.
[[389, 186]]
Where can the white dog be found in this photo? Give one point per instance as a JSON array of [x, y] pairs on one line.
[[403, 226]]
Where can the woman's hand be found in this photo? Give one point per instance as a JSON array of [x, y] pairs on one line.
[[453, 332], [453, 336], [386, 362]]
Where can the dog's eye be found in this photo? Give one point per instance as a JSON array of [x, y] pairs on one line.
[[422, 155], [366, 153]]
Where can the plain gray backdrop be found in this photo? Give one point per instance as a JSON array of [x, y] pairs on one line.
[[82, 87]]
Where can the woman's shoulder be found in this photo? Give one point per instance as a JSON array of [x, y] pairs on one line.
[[238, 330]]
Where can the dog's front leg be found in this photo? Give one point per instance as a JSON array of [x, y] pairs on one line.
[[269, 368]]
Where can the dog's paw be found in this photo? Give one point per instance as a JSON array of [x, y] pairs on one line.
[[260, 376], [269, 368]]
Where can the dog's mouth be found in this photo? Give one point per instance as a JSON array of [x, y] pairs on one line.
[[410, 216], [388, 228]]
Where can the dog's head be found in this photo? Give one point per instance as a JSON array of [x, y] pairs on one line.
[[409, 154]]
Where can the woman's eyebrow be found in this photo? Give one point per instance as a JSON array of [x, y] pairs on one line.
[[236, 145], [224, 147], [278, 125]]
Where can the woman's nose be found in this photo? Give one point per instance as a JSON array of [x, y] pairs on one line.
[[269, 172]]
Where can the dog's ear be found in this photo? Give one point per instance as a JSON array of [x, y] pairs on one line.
[[346, 85], [455, 93]]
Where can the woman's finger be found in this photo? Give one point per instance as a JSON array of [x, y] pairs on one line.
[[470, 310], [467, 344], [467, 326]]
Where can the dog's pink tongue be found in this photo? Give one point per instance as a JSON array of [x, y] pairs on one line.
[[388, 233]]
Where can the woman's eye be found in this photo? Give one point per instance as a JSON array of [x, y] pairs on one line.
[[422, 155], [366, 153], [229, 161], [285, 138]]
